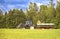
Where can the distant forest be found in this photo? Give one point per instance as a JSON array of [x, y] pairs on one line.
[[46, 14]]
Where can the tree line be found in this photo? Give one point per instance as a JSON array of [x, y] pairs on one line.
[[46, 14]]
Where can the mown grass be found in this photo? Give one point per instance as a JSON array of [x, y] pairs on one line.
[[29, 34]]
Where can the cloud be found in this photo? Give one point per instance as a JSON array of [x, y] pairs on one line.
[[11, 6], [38, 4], [6, 5], [58, 0]]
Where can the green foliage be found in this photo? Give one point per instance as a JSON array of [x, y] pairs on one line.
[[50, 14], [58, 16], [46, 14], [42, 13], [1, 19], [32, 12], [12, 18]]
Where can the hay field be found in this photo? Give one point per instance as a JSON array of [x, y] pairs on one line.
[[29, 34]]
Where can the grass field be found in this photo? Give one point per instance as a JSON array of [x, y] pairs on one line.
[[29, 34]]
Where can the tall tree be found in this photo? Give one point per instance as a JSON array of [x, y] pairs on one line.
[[32, 12], [15, 17], [1, 19], [42, 13], [58, 15], [50, 14]]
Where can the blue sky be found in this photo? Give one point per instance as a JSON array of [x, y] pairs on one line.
[[6, 5]]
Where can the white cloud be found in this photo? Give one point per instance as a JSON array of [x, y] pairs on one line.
[[32, 0], [58, 0], [39, 4]]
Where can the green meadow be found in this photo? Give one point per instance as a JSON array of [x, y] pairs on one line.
[[29, 34]]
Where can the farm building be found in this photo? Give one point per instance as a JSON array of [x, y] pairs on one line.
[[44, 25], [29, 25]]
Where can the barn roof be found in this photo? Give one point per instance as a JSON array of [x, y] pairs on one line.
[[46, 24]]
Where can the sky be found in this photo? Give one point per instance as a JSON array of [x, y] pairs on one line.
[[6, 5]]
